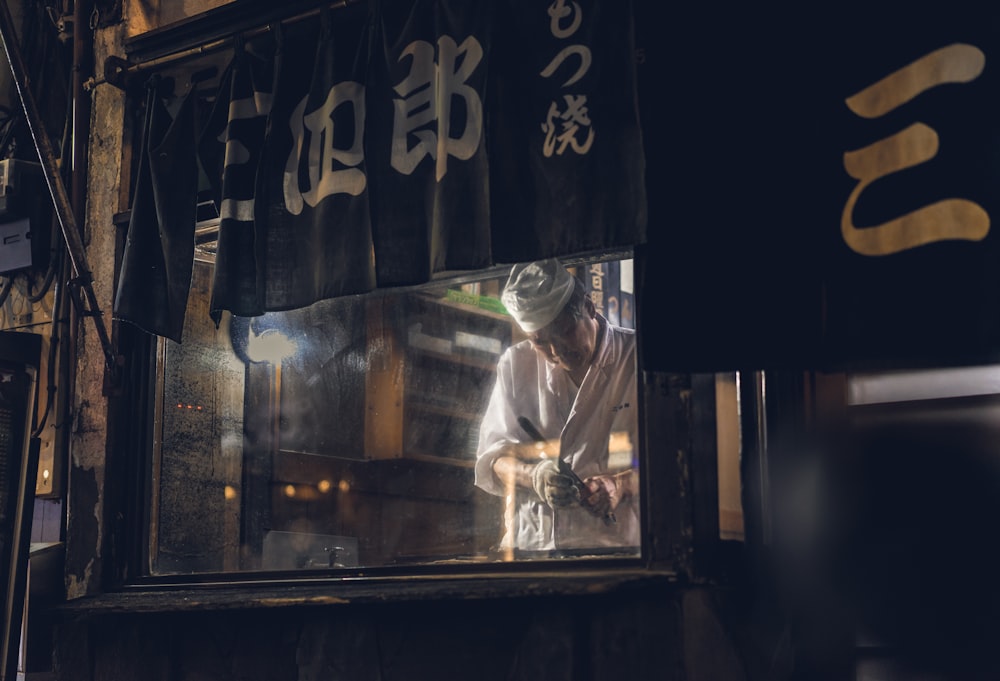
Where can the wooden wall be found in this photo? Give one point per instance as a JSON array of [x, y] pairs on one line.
[[648, 632]]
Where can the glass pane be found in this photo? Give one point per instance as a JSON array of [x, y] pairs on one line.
[[369, 430], [729, 448], [922, 384], [143, 16]]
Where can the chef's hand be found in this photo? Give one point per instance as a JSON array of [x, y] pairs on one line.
[[552, 486], [606, 492]]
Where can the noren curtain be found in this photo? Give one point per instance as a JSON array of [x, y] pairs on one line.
[[388, 143]]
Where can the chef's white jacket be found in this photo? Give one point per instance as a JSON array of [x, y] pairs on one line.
[[528, 385]]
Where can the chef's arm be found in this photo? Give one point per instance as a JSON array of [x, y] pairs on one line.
[[508, 467], [517, 461], [628, 482]]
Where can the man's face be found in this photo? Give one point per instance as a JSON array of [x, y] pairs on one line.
[[568, 342]]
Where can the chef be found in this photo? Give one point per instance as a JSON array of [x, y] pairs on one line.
[[559, 435]]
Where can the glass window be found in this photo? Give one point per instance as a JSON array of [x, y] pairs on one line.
[[728, 451], [144, 17], [347, 434]]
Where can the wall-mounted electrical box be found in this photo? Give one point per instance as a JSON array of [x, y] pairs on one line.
[[15, 245], [25, 225]]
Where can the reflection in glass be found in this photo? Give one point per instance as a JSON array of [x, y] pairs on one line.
[[346, 434]]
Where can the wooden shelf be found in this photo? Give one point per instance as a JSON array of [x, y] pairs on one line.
[[464, 307], [455, 358], [412, 390], [450, 412], [446, 460]]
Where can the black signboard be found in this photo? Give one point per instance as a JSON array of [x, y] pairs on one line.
[[910, 247], [19, 359], [822, 187]]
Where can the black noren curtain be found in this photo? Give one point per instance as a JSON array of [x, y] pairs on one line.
[[312, 207], [566, 158], [427, 138], [159, 249], [389, 143], [230, 151]]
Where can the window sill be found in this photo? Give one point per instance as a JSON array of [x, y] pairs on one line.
[[348, 591]]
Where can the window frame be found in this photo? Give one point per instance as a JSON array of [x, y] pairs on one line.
[[674, 466], [679, 491]]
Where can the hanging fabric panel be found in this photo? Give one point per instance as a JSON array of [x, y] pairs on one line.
[[229, 149], [312, 189], [567, 167], [353, 152], [426, 142], [159, 249]]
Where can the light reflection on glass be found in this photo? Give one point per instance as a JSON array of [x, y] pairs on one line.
[[271, 346]]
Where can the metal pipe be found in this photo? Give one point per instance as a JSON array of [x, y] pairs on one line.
[[118, 70], [60, 200]]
